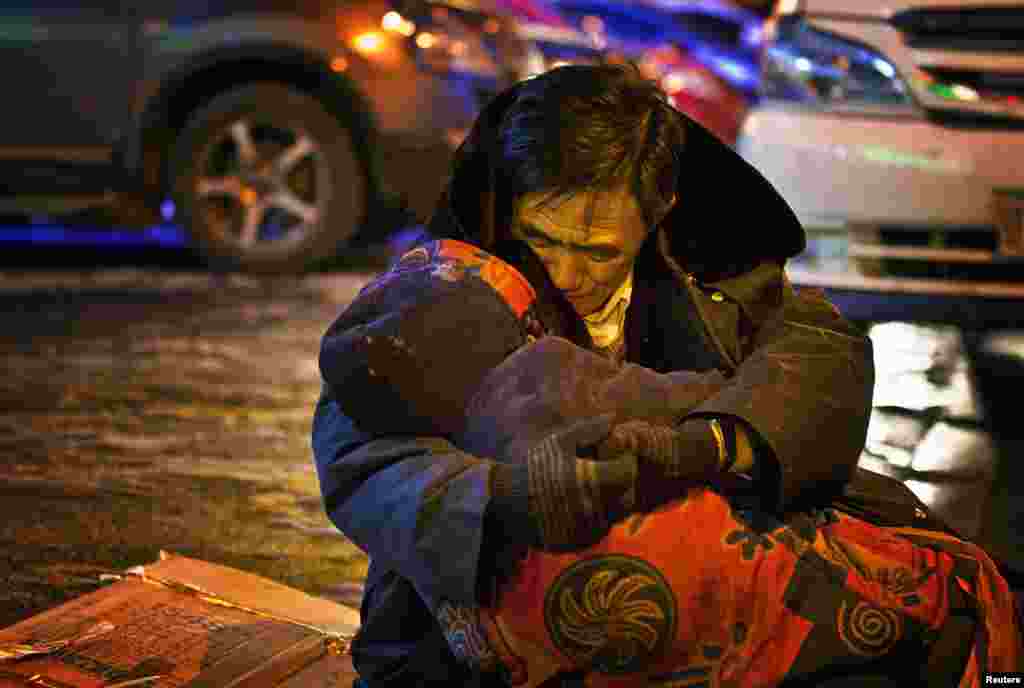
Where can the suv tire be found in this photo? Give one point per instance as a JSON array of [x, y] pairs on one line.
[[266, 180]]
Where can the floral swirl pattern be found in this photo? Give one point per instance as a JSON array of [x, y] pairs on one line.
[[868, 630], [611, 613]]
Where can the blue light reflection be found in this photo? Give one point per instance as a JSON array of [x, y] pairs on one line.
[[157, 236]]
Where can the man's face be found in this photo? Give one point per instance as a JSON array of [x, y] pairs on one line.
[[587, 261]]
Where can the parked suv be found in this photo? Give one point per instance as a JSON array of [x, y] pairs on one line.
[[271, 130], [895, 129]]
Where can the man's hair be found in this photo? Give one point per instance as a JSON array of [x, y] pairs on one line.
[[587, 128]]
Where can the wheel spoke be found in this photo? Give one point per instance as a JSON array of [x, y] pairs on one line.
[[294, 153], [286, 200], [240, 135], [219, 186], [250, 232]]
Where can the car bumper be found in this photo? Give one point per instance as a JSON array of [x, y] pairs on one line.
[[883, 171], [850, 177]]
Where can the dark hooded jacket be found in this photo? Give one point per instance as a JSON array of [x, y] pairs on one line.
[[710, 293]]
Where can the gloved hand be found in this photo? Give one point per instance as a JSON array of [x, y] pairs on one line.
[[571, 502], [670, 459]]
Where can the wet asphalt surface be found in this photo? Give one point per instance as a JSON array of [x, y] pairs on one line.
[[147, 404]]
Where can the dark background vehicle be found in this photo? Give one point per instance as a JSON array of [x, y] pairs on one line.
[[272, 131], [725, 37], [703, 54]]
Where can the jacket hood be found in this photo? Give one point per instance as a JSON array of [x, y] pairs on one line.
[[728, 217]]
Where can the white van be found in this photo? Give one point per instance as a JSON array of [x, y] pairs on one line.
[[895, 129]]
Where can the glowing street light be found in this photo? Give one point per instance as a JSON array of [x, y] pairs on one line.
[[396, 23], [369, 43]]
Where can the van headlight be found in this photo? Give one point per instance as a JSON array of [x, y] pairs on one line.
[[805, 65]]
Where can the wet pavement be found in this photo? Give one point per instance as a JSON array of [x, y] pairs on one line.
[[944, 423], [145, 408]]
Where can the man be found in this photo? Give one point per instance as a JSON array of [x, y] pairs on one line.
[[699, 581], [642, 237]]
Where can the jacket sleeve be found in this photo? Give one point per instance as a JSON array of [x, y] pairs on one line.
[[415, 505], [805, 388]]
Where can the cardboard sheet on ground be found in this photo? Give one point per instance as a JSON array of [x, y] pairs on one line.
[[183, 622]]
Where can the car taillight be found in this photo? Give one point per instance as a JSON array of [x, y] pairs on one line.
[[692, 82]]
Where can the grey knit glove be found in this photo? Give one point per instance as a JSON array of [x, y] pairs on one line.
[[669, 458], [571, 502], [575, 501]]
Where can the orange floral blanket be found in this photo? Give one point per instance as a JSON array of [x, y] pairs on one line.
[[700, 593]]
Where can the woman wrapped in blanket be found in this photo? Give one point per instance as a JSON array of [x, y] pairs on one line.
[[694, 584]]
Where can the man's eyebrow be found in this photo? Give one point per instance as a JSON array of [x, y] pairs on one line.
[[532, 229]]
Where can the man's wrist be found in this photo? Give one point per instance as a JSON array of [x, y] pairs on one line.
[[698, 456]]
